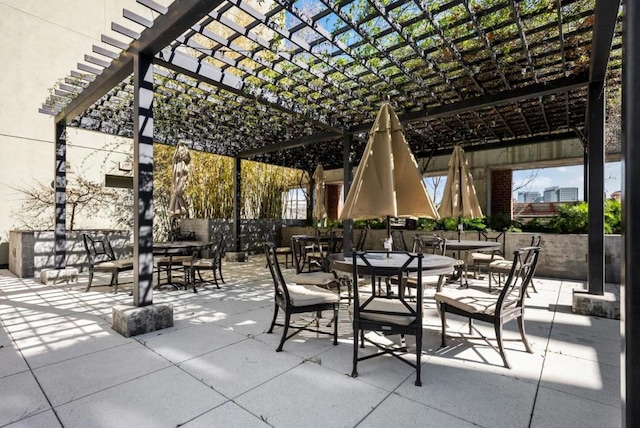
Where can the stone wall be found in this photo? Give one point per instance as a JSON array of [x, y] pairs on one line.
[[562, 256], [32, 251], [252, 232]]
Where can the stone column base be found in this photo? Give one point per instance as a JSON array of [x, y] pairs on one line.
[[231, 256], [605, 306], [129, 320], [55, 276]]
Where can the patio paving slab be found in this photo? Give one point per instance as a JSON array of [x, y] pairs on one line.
[[41, 420], [217, 365], [165, 398], [21, 397], [558, 409], [96, 372], [315, 396]]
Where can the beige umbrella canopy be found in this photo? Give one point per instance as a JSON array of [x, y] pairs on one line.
[[319, 207], [387, 182], [459, 197], [181, 160]]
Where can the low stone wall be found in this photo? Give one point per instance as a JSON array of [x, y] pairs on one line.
[[562, 256], [32, 251]]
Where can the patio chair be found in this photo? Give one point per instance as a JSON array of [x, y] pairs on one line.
[[436, 277], [496, 309], [296, 299], [362, 238], [102, 258], [483, 259], [320, 278], [282, 251], [399, 244], [502, 267], [168, 263], [205, 258], [385, 313], [221, 251]]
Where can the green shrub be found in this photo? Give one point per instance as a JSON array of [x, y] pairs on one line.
[[612, 216]]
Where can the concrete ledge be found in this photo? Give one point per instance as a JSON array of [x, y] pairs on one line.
[[231, 256], [129, 320], [55, 276], [605, 306]]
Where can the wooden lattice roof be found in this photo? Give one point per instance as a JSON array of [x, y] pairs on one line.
[[282, 81]]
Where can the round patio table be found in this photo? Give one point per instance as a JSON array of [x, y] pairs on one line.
[[395, 260]]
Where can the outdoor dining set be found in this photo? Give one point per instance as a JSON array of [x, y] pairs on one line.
[[385, 290]]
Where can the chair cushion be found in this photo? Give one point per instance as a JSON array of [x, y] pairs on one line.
[[114, 264], [502, 266], [310, 295], [175, 260], [469, 300], [485, 257], [200, 263], [388, 305], [314, 278], [283, 250]]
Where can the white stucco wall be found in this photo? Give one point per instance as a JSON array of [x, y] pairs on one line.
[[42, 41]]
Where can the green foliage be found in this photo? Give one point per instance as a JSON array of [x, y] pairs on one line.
[[209, 192], [612, 216], [572, 218], [426, 224]]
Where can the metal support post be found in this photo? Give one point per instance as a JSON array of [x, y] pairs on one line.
[[60, 220], [347, 225], [143, 179], [237, 204], [630, 298], [596, 109]]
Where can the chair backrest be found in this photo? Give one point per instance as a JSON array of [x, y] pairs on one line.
[[399, 244], [279, 284], [297, 252], [336, 242], [428, 244], [361, 240], [535, 241], [364, 264], [495, 237], [220, 249], [525, 261], [98, 249]]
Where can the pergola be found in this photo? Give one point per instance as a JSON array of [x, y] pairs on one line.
[[297, 83]]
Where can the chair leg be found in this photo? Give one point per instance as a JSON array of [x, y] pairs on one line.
[[275, 315], [470, 326], [443, 320], [285, 330], [362, 339], [356, 332], [215, 278], [90, 280], [192, 277], [523, 335], [498, 329], [418, 357], [220, 272], [335, 324]]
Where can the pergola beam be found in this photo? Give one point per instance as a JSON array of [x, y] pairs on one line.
[[166, 28], [503, 97]]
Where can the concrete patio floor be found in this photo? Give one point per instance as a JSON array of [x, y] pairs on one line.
[[61, 365]]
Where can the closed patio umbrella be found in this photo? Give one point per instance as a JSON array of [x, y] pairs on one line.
[[319, 207], [459, 197], [177, 204], [387, 182]]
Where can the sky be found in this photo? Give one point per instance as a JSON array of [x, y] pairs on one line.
[[540, 179]]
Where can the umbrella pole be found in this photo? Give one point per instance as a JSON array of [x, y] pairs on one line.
[[460, 226]]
